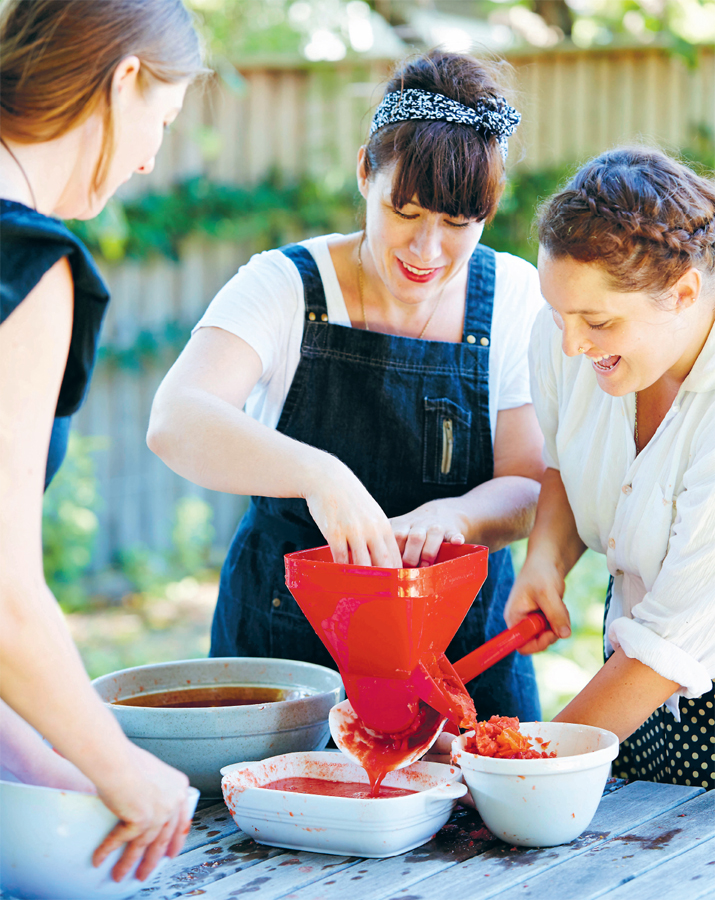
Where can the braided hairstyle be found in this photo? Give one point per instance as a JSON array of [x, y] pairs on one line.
[[638, 213]]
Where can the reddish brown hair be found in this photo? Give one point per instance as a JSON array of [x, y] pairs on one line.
[[58, 59], [447, 167], [644, 217]]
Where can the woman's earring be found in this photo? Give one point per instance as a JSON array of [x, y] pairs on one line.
[[580, 350]]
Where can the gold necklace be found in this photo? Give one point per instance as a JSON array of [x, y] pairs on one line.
[[362, 298], [635, 430]]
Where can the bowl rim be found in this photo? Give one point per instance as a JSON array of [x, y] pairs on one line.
[[557, 765], [201, 710], [451, 778]]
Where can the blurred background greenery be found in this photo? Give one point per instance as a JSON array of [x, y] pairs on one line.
[[265, 156]]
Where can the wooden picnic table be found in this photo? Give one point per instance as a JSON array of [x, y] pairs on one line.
[[646, 842]]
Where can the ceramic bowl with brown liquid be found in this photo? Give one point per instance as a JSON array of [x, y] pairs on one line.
[[201, 714]]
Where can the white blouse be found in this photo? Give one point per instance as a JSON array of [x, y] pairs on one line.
[[653, 515]]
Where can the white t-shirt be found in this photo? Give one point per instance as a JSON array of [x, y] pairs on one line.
[[653, 515], [263, 304]]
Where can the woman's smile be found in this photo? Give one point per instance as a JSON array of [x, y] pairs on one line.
[[420, 275]]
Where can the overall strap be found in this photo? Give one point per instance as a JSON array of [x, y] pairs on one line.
[[316, 308], [480, 297]]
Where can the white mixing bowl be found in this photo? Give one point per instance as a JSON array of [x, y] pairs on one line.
[[541, 802], [47, 838]]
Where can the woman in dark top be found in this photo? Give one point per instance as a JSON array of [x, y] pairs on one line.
[[86, 90]]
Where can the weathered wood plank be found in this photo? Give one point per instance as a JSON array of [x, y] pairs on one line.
[[689, 876], [624, 857], [458, 877], [210, 825], [284, 873], [202, 866]]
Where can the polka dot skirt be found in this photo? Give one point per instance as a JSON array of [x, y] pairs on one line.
[[667, 751], [673, 752]]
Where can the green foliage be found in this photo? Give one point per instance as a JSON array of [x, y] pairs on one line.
[[151, 346], [267, 215], [150, 571], [512, 228], [69, 524]]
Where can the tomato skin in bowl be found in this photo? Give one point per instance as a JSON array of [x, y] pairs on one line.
[[544, 801], [500, 738]]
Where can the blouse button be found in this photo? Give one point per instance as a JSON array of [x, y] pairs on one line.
[[612, 543], [626, 488], [619, 571], [276, 602], [311, 316], [471, 339], [484, 342]]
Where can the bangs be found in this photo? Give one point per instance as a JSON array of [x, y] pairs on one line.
[[445, 167]]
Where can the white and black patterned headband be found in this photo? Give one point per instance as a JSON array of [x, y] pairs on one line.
[[492, 118]]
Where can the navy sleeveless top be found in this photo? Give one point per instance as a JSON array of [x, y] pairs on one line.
[[30, 244]]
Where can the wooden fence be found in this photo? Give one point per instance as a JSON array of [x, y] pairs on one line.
[[311, 121]]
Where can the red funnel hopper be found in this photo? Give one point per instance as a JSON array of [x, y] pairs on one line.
[[387, 629]]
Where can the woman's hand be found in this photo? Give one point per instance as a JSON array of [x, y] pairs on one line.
[[353, 524], [150, 799], [420, 533], [539, 585]]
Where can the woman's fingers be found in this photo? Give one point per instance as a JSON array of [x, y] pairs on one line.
[[133, 852], [539, 587], [120, 834], [178, 839], [157, 849], [150, 800], [147, 846], [544, 640]]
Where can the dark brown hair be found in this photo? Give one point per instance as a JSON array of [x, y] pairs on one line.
[[644, 217], [447, 167], [58, 59]]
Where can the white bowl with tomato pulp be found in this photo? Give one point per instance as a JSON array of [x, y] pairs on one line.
[[540, 802], [344, 826]]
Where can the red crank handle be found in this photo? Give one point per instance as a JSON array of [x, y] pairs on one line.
[[479, 660]]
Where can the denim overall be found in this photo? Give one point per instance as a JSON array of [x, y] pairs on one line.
[[411, 419]]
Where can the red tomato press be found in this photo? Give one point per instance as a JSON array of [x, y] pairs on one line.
[[387, 630]]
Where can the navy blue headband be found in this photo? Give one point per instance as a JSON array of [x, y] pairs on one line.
[[492, 117]]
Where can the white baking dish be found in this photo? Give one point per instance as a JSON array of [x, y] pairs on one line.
[[340, 825]]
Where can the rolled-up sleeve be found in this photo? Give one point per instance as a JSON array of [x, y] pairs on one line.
[[673, 626]]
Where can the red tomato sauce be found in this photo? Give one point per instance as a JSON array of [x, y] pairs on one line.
[[500, 737], [325, 788]]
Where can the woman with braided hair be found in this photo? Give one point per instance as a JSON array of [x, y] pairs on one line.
[[623, 378], [385, 381]]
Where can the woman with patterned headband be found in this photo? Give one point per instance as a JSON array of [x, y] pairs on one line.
[[384, 378], [623, 374]]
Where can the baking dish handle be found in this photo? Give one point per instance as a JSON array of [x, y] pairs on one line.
[[452, 791]]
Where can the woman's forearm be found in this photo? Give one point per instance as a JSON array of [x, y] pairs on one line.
[[620, 697], [44, 682], [207, 440], [554, 537], [498, 512]]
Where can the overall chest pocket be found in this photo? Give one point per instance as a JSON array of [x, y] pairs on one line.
[[447, 432]]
